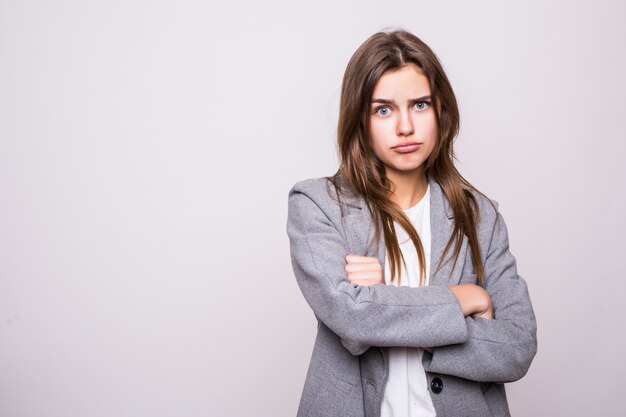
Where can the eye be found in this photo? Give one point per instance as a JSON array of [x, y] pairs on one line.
[[421, 105], [383, 110]]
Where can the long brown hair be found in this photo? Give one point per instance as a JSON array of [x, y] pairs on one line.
[[363, 173]]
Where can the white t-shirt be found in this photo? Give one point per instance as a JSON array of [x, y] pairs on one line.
[[406, 393]]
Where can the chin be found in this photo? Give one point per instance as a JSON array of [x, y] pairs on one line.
[[406, 169], [411, 167]]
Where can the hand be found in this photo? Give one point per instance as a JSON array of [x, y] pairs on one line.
[[487, 314], [474, 300], [364, 270]]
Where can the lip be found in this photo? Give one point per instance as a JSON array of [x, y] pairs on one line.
[[406, 147]]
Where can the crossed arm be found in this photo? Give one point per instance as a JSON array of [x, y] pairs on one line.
[[476, 348], [366, 270]]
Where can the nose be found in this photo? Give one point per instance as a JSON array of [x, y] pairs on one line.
[[405, 124]]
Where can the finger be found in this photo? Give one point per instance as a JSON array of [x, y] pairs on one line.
[[361, 259], [373, 275], [485, 315], [363, 267], [365, 282]]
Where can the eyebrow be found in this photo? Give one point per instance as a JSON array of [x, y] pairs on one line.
[[385, 101]]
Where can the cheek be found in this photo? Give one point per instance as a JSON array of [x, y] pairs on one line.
[[429, 126], [432, 136], [429, 131], [432, 142]]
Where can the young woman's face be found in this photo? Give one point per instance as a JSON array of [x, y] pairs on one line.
[[402, 120]]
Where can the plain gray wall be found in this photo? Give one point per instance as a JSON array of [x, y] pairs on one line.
[[146, 152]]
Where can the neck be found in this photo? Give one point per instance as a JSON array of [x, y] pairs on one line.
[[408, 188]]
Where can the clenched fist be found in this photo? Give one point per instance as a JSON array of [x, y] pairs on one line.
[[364, 270]]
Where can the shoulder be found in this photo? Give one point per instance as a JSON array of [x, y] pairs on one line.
[[320, 190], [314, 195], [487, 207], [311, 186], [491, 227]]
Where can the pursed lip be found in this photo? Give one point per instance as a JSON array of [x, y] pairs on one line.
[[405, 144]]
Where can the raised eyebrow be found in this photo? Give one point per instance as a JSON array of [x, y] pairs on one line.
[[413, 100], [423, 98]]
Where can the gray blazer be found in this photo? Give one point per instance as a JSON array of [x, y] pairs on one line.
[[472, 357]]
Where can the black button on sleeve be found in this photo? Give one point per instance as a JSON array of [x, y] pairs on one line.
[[436, 385]]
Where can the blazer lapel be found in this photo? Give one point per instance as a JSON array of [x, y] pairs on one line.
[[441, 228], [358, 225]]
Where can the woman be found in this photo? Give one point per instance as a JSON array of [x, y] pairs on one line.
[[399, 335]]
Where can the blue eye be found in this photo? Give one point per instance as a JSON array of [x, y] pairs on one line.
[[422, 105], [383, 111]]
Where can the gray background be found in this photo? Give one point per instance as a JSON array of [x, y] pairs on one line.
[[146, 152]]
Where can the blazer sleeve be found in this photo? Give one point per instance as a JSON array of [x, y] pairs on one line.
[[498, 350], [363, 316]]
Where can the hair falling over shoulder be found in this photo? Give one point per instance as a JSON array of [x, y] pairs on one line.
[[361, 171]]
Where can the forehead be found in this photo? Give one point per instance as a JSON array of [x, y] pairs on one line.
[[406, 82]]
